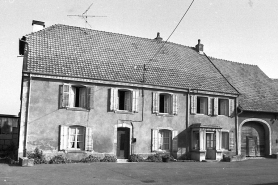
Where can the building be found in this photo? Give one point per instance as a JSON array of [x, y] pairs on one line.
[[258, 107], [93, 92]]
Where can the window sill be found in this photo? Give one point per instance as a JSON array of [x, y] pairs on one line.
[[76, 151], [123, 112], [77, 109], [165, 114]]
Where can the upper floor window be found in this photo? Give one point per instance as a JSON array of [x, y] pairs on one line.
[[202, 105], [124, 100], [72, 96], [165, 103], [223, 107]]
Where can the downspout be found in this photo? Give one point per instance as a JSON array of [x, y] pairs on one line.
[[27, 118], [238, 152], [187, 123]]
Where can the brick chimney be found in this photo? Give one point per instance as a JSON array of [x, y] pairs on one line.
[[158, 38], [37, 25], [199, 47]]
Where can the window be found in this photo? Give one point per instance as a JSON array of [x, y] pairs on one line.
[[225, 140], [196, 140], [164, 140], [125, 100], [76, 138], [165, 103], [202, 105], [72, 96], [223, 107]]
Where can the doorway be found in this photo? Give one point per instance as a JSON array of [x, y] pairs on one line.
[[210, 146], [123, 143]]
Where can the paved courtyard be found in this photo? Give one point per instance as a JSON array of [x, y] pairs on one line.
[[255, 171]]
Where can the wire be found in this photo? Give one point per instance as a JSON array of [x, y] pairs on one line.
[[172, 31]]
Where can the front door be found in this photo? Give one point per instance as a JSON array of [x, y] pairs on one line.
[[251, 143], [210, 146], [123, 143]]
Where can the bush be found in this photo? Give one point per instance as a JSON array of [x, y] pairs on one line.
[[109, 158], [59, 159], [155, 158], [90, 159], [38, 156], [135, 158]]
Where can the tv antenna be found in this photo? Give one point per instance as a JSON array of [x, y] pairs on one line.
[[85, 16]]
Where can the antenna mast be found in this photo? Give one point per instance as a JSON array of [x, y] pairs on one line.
[[85, 16]]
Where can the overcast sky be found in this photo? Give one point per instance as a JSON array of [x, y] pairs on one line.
[[243, 31]]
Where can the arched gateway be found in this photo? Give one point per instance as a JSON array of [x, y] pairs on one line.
[[254, 137]]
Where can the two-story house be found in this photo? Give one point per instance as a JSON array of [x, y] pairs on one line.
[[92, 92]]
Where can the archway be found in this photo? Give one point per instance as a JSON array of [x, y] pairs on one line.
[[254, 137]]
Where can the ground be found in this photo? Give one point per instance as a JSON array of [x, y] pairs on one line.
[[253, 171]]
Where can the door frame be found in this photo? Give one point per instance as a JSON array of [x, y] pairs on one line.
[[115, 137]]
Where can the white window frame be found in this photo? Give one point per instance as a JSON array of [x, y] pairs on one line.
[[157, 140], [170, 104], [82, 97], [75, 135], [127, 101], [225, 107], [205, 106]]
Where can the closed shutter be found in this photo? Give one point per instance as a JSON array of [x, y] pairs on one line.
[[215, 105], [174, 140], [64, 137], [64, 95], [135, 96], [113, 99], [193, 104], [90, 97], [154, 140], [231, 107], [89, 139], [155, 102], [175, 104], [210, 106], [231, 140]]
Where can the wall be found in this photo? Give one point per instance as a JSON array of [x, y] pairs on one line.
[[44, 118]]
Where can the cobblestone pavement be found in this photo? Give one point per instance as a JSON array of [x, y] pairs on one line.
[[253, 171]]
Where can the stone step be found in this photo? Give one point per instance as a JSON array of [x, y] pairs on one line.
[[122, 160]]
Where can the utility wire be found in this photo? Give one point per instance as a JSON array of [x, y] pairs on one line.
[[172, 31]]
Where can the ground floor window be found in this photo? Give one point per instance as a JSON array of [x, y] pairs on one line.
[[76, 138], [164, 140], [225, 140], [195, 140]]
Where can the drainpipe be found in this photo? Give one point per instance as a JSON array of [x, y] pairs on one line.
[[238, 152], [187, 123]]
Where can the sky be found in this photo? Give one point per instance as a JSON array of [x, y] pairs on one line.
[[244, 31]]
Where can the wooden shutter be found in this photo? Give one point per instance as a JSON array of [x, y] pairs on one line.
[[135, 96], [64, 137], [231, 140], [231, 107], [154, 140], [215, 105], [89, 139], [175, 104], [113, 99], [155, 102], [193, 104], [174, 140], [210, 106], [90, 97], [64, 95]]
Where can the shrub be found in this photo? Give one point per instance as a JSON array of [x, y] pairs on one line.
[[155, 158], [135, 158], [109, 158], [38, 156], [59, 159], [90, 159]]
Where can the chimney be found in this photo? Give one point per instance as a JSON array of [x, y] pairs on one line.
[[37, 25], [158, 38], [199, 47]]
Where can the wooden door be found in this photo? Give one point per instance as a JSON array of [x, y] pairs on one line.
[[253, 135], [123, 143], [210, 146]]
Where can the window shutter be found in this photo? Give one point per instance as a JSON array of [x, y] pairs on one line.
[[135, 96], [231, 107], [64, 95], [64, 137], [89, 139], [231, 140], [155, 102], [175, 104], [193, 104], [215, 104], [90, 97], [210, 106], [113, 99], [154, 140], [174, 140]]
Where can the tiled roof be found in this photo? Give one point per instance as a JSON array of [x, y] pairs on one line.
[[256, 88], [81, 52]]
